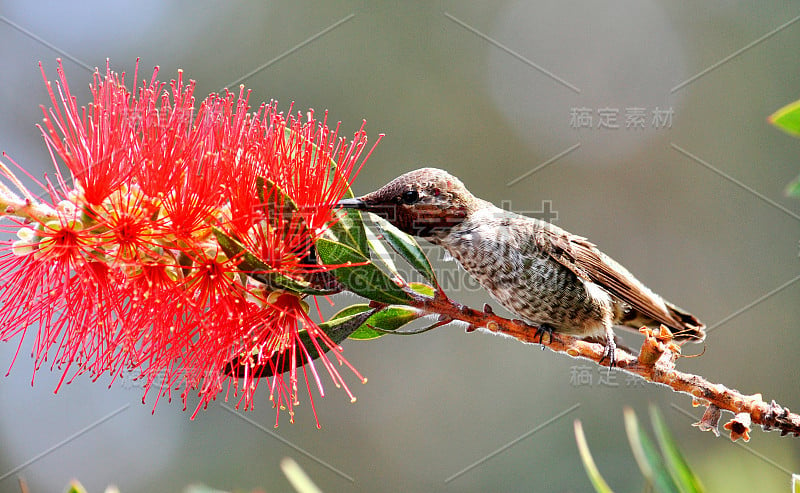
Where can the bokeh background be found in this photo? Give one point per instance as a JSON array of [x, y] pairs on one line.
[[487, 90]]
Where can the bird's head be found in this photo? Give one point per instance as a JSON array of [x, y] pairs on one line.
[[426, 202]]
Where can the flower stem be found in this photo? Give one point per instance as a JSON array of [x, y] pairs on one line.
[[27, 208]]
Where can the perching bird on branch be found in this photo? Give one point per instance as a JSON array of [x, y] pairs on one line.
[[551, 278]]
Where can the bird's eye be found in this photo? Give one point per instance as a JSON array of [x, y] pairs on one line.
[[410, 196]]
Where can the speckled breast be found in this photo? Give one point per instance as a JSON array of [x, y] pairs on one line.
[[499, 254]]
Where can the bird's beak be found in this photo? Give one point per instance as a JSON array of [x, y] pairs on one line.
[[352, 204]]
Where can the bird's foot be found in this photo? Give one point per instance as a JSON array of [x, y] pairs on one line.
[[610, 352], [543, 329], [539, 330]]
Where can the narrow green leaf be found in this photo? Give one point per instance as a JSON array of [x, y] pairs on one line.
[[75, 487], [406, 246], [254, 267], [344, 323], [647, 456], [787, 118], [338, 328], [677, 466], [349, 230], [589, 465], [363, 277], [422, 289], [793, 188], [390, 318], [349, 311], [272, 196], [297, 477], [380, 254], [282, 210]]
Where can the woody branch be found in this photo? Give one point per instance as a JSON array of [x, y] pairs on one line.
[[655, 363]]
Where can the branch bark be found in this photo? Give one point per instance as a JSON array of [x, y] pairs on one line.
[[654, 363]]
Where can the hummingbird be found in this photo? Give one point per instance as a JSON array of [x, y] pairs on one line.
[[555, 280]]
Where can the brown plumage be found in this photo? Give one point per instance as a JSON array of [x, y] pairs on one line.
[[548, 276]]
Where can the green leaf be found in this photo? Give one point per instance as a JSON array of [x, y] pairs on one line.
[[349, 230], [787, 118], [338, 328], [589, 465], [647, 456], [390, 318], [358, 274], [795, 483], [75, 487], [379, 253], [343, 324], [406, 246], [793, 188], [297, 477], [349, 312], [254, 267], [676, 464], [280, 205], [272, 196], [422, 289]]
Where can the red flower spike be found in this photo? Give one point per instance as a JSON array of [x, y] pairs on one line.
[[124, 273], [95, 142]]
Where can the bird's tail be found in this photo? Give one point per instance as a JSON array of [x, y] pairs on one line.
[[683, 325], [689, 327]]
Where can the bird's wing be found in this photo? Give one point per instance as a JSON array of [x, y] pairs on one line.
[[590, 264]]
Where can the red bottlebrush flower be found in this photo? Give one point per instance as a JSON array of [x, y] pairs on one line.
[[123, 270]]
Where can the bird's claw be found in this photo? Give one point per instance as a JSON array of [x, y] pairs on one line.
[[538, 330], [610, 352], [543, 329]]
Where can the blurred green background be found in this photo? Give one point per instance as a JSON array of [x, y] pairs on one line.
[[485, 90]]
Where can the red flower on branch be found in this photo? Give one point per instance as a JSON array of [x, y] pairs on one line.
[[123, 270]]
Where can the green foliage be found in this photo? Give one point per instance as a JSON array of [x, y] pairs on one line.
[[349, 230], [793, 188], [295, 474], [422, 289], [75, 487], [346, 247], [595, 477], [338, 328], [664, 468], [261, 271], [358, 274], [647, 457], [387, 320], [676, 464], [788, 120], [406, 246]]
